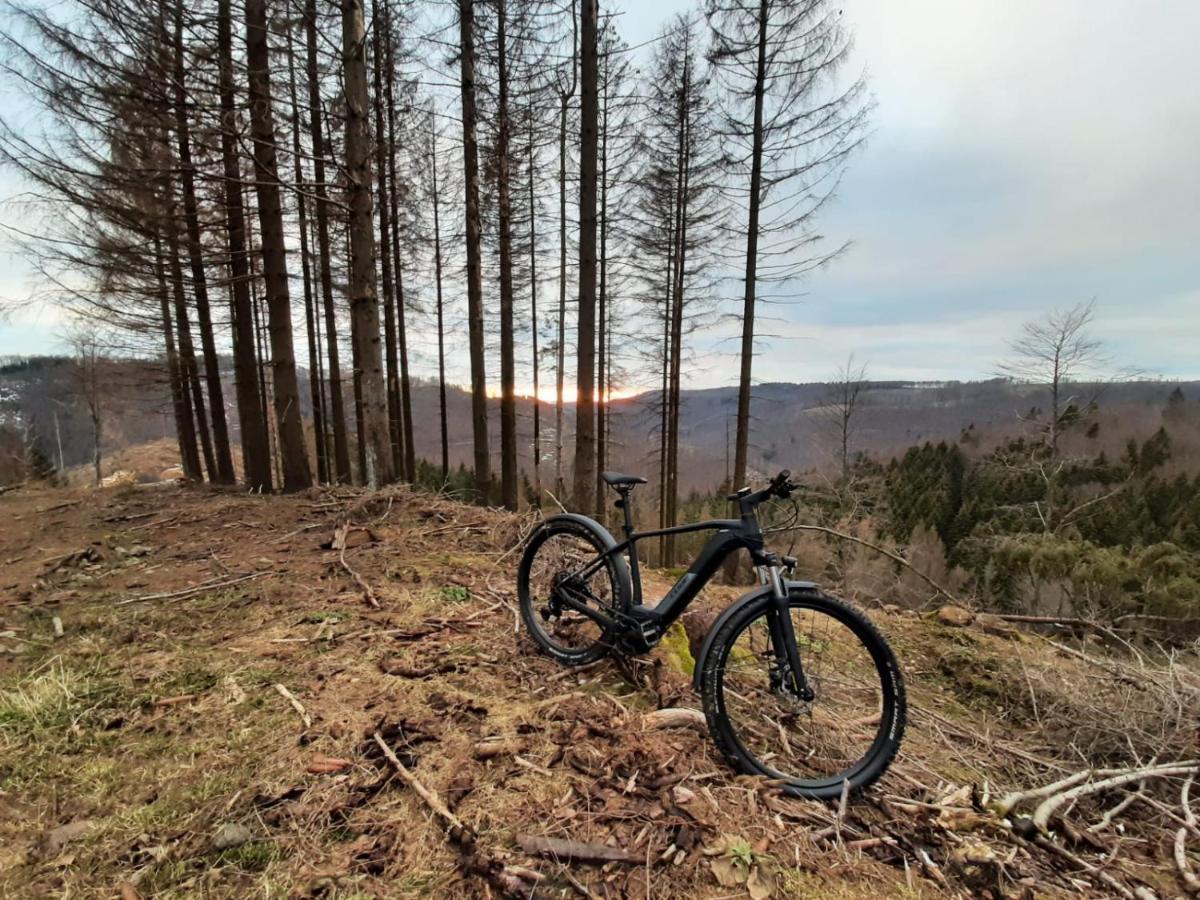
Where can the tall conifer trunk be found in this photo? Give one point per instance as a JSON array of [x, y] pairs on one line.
[[191, 215], [375, 447], [585, 350], [466, 24], [256, 451], [508, 397], [293, 454], [384, 149], [337, 405]]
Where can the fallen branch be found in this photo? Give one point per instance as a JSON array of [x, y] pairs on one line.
[[1056, 793], [296, 704], [564, 850], [895, 557], [1186, 872], [1047, 808], [1076, 860], [203, 588], [339, 543], [1065, 621], [512, 880]]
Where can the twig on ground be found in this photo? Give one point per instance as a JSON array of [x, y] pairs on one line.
[[512, 880], [1114, 811], [1076, 860], [1186, 872], [339, 544], [296, 704], [202, 588]]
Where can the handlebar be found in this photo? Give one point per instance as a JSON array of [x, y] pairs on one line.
[[781, 486]]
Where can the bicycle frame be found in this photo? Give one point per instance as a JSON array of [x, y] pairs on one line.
[[731, 535]]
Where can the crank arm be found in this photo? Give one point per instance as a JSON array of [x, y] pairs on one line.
[[566, 598]]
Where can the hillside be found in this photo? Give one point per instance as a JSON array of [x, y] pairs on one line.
[[792, 426], [205, 725]]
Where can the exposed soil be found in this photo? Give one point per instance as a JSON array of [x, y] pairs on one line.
[[149, 748]]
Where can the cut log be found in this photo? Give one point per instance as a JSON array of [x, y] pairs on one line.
[[562, 849], [675, 717]]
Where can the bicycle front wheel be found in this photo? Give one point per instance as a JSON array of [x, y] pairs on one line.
[[846, 735]]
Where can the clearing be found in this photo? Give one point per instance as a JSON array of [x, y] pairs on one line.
[[191, 681]]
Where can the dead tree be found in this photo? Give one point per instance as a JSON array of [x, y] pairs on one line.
[[383, 150], [187, 180], [311, 318], [479, 423], [791, 126], [293, 454], [337, 410], [585, 350], [364, 302], [256, 450]]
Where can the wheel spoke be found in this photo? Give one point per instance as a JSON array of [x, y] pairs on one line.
[[567, 559], [804, 741]]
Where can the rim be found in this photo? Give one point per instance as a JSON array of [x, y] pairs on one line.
[[818, 743], [556, 559]]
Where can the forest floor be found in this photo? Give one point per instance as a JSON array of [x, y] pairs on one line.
[[191, 681]]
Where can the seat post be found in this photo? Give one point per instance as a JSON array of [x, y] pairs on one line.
[[623, 505]]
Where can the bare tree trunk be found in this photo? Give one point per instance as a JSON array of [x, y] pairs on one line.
[[187, 354], [664, 405], [256, 451], [337, 410], [601, 335], [742, 443], [325, 437], [680, 266], [96, 442], [260, 355], [364, 302], [383, 149], [466, 21], [310, 319], [187, 175], [185, 428], [585, 350], [293, 453], [441, 330], [410, 453], [560, 361], [564, 97], [533, 326], [508, 396]]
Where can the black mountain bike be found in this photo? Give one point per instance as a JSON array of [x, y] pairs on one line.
[[797, 685]]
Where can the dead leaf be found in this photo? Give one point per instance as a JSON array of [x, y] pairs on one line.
[[760, 885], [727, 872]]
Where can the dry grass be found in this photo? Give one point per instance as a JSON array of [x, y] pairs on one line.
[[157, 722]]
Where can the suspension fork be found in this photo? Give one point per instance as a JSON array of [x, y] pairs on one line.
[[783, 633]]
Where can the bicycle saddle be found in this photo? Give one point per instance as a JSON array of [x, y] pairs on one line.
[[617, 480]]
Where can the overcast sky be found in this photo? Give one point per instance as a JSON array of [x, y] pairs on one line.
[[1023, 155]]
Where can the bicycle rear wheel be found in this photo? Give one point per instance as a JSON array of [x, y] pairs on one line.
[[562, 557], [851, 729]]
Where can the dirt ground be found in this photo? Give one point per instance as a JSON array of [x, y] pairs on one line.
[[203, 726]]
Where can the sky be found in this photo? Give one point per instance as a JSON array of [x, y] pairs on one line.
[[1023, 155]]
